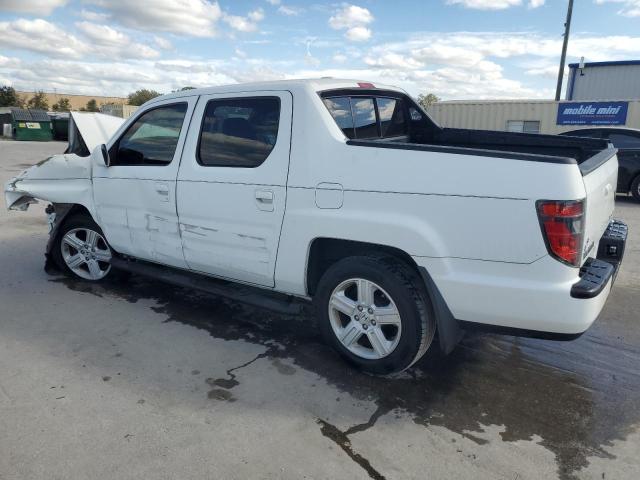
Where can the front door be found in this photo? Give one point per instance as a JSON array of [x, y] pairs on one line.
[[232, 184], [135, 196]]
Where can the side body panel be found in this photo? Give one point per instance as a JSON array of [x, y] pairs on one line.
[[231, 217], [470, 220], [136, 205]]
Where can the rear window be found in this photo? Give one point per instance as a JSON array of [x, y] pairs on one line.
[[362, 117]]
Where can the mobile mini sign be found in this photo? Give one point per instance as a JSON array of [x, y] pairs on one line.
[[592, 113]]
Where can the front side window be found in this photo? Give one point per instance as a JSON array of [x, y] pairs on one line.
[[239, 132], [152, 138]]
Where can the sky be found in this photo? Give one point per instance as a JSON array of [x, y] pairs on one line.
[[456, 49]]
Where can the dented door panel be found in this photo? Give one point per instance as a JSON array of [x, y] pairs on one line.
[[231, 217], [136, 204]]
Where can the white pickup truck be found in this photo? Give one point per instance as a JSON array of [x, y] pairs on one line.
[[346, 193]]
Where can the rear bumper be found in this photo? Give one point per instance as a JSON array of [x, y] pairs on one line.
[[539, 299], [597, 272]]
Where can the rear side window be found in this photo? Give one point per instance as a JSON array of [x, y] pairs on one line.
[[238, 132], [368, 117], [392, 117], [364, 117], [340, 109], [152, 138]]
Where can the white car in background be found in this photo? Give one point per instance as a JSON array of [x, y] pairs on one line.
[[346, 193]]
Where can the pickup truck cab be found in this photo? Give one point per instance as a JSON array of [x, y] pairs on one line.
[[346, 193]]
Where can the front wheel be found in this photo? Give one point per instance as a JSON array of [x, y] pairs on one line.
[[81, 249], [375, 313]]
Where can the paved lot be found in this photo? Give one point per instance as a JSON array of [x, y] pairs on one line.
[[143, 380]]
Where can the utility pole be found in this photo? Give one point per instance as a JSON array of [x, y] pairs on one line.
[[567, 28]]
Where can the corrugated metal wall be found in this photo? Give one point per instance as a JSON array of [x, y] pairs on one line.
[[605, 83], [493, 115]]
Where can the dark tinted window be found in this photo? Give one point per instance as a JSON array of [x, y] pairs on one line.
[[152, 138], [392, 117], [239, 132], [364, 117], [340, 109], [358, 117], [623, 140]]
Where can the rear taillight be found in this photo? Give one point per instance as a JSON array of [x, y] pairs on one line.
[[562, 225]]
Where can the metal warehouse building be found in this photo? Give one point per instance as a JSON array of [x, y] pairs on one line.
[[604, 80], [602, 93]]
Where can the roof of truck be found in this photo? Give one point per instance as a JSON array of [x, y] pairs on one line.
[[317, 84]]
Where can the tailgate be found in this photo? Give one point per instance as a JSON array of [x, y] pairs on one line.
[[600, 177]]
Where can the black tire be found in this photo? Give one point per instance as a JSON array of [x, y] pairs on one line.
[[404, 287], [635, 188], [77, 221]]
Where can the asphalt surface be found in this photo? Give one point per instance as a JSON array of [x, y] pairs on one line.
[[144, 380]]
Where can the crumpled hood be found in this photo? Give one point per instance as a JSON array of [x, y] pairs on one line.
[[95, 128]]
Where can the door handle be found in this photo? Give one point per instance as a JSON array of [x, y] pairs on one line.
[[163, 191], [264, 200]]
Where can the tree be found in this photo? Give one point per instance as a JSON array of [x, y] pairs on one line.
[[427, 100], [9, 97], [92, 106], [141, 96], [38, 101], [62, 105]]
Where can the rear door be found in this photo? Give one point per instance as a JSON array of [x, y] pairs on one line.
[[232, 184], [135, 196]]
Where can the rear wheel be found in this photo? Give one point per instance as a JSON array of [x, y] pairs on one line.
[[375, 313], [635, 188], [81, 249]]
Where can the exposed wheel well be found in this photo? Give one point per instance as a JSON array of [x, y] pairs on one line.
[[324, 252]]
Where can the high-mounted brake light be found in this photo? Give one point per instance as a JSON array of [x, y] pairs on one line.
[[366, 85], [562, 225]]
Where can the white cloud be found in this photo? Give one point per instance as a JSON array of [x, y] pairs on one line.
[[42, 37], [274, 2], [630, 8], [93, 16], [340, 58], [37, 7], [109, 42], [536, 3], [46, 38], [162, 42], [195, 18], [8, 62], [486, 4], [354, 20], [244, 24], [289, 11], [358, 34]]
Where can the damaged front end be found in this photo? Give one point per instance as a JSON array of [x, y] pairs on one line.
[[62, 178]]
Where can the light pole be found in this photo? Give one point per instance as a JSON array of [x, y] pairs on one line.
[[567, 28]]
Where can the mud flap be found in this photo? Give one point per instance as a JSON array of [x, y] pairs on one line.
[[449, 331]]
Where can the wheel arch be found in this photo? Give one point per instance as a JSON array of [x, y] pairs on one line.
[[63, 212], [323, 252]]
